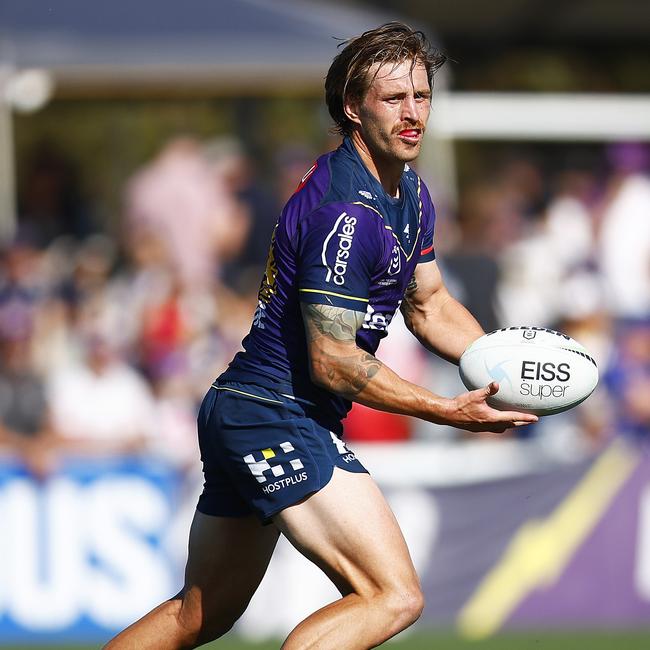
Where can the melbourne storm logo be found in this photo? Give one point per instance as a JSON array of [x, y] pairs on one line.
[[335, 255]]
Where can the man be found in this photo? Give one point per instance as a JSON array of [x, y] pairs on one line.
[[354, 242]]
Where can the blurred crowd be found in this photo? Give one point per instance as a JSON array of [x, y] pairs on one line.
[[566, 246], [109, 337]]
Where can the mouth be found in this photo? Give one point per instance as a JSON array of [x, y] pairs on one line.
[[412, 136]]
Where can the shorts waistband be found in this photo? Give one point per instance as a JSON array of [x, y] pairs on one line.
[[259, 392]]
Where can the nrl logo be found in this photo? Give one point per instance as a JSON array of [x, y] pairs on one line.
[[529, 334]]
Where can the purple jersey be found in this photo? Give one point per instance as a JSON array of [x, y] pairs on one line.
[[341, 240]]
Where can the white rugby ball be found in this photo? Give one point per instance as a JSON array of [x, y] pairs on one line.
[[539, 370]]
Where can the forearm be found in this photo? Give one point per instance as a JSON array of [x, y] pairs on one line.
[[443, 326], [361, 377], [340, 366]]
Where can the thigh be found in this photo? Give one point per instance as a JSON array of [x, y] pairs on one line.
[[350, 532], [228, 557]]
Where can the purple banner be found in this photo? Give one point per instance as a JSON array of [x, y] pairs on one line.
[[567, 548]]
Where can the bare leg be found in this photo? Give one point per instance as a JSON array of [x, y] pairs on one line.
[[227, 560], [349, 531]]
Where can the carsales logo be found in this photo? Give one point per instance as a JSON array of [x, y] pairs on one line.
[[342, 234]]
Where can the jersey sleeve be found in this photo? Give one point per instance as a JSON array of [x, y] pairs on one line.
[[338, 251], [427, 252]]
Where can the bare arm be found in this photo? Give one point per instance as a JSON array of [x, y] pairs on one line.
[[339, 366], [437, 319]]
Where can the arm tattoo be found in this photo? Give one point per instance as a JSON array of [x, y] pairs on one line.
[[334, 322], [412, 286], [348, 374], [407, 306]]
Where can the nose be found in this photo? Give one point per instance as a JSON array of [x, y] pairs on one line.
[[410, 109]]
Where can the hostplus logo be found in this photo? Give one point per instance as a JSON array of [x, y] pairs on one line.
[[264, 471]]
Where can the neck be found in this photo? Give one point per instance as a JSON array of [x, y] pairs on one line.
[[387, 172]]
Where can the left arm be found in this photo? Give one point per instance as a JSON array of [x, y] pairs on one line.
[[437, 319]]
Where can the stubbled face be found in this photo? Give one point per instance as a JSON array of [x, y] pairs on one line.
[[393, 114]]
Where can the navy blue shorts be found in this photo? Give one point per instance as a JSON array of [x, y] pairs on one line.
[[261, 452]]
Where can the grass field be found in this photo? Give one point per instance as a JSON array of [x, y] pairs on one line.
[[606, 640]]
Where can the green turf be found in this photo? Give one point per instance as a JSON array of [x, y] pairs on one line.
[[606, 640]]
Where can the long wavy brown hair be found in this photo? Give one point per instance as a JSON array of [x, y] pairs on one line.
[[348, 76]]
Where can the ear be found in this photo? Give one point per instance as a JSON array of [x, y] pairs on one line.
[[351, 110]]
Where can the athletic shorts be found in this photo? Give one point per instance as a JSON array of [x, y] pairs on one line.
[[262, 453]]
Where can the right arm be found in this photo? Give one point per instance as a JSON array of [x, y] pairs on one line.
[[338, 365]]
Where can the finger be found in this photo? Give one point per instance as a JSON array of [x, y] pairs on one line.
[[497, 415], [484, 393], [514, 416]]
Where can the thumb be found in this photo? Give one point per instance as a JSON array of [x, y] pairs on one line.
[[491, 388]]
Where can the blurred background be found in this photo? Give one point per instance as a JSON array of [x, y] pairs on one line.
[[146, 150]]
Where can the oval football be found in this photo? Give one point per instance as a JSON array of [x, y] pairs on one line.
[[539, 370]]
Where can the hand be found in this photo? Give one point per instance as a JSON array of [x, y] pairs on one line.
[[470, 411]]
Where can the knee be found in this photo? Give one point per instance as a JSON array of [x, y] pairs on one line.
[[199, 625], [188, 619], [404, 606]]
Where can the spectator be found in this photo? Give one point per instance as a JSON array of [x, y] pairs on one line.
[[628, 379], [100, 404], [472, 263], [624, 240], [22, 287], [227, 157], [179, 197], [24, 414]]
